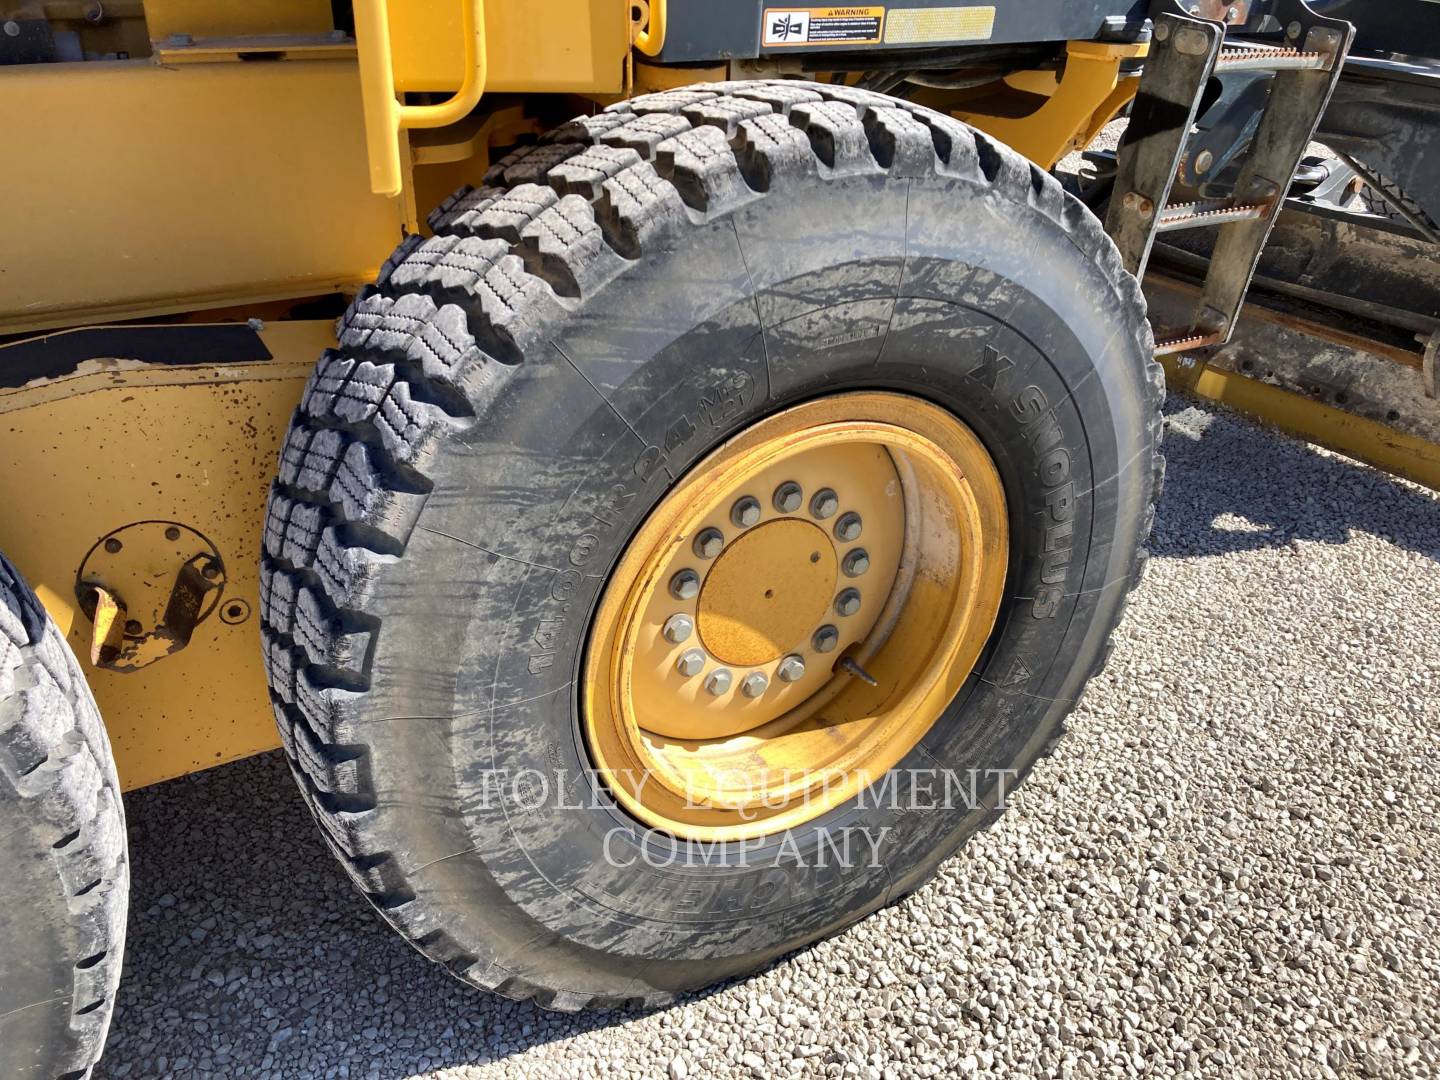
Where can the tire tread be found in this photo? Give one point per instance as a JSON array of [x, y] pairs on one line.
[[57, 777]]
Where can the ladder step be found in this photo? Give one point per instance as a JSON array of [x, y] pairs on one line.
[[1172, 345], [1258, 58], [1185, 52], [1195, 215]]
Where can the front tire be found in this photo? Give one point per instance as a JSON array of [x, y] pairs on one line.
[[64, 872], [514, 397]]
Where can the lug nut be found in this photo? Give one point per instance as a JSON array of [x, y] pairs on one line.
[[848, 602], [856, 563], [708, 543], [678, 628], [787, 497], [825, 639], [824, 503], [691, 663], [848, 527], [754, 684], [685, 585], [791, 668], [746, 511], [718, 682]]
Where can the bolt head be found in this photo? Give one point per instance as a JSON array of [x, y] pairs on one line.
[[848, 602], [856, 563], [691, 663], [1293, 30], [1203, 161], [788, 497], [685, 585], [825, 639], [746, 511], [718, 682], [678, 628], [848, 527], [709, 543], [754, 684], [1142, 205], [791, 668], [824, 503]]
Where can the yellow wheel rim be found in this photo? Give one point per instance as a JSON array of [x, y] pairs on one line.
[[794, 616]]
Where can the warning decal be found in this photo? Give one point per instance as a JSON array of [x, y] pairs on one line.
[[822, 26]]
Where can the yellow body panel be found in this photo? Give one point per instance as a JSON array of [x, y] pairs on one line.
[[87, 453], [206, 18], [142, 189], [1087, 96], [576, 46]]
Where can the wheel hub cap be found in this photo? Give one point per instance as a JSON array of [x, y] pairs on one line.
[[767, 592]]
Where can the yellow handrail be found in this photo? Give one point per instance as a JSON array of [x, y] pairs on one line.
[[385, 116], [652, 39]]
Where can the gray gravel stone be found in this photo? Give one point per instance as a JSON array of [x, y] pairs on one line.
[[1230, 867]]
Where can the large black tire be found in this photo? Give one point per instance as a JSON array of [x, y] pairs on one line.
[[64, 875], [516, 392]]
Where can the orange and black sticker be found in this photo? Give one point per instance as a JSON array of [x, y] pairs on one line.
[[822, 26]]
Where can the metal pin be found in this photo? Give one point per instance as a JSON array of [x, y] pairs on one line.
[[850, 667]]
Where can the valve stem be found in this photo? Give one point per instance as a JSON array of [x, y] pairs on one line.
[[850, 667]]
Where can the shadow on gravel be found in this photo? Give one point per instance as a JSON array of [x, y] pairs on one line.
[[250, 954], [1233, 486]]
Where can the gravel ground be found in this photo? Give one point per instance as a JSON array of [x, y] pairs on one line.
[[1230, 867]]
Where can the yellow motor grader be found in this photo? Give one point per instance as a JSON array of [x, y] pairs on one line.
[[661, 472]]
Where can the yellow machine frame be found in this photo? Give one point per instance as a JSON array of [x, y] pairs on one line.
[[212, 187]]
